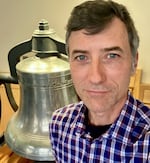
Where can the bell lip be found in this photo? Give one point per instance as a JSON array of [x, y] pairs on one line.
[[16, 145], [32, 157]]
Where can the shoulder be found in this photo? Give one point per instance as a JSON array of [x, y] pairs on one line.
[[141, 120], [142, 112], [66, 113], [139, 116]]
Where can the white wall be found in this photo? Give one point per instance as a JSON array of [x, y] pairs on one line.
[[19, 18]]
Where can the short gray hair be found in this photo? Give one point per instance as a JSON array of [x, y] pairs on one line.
[[94, 16]]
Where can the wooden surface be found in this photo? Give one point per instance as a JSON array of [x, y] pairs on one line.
[[145, 93], [135, 82], [8, 156], [7, 110]]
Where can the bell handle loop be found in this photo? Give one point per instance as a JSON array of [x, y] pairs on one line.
[[10, 96], [60, 46], [6, 79]]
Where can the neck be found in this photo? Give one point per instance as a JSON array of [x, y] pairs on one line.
[[101, 119], [106, 117]]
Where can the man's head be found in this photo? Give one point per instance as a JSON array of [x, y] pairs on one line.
[[102, 44], [94, 16]]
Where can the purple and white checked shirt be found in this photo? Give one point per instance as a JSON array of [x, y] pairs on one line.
[[126, 141]]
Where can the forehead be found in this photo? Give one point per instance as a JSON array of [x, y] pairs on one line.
[[114, 33]]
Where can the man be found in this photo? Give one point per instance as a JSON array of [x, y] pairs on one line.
[[108, 125]]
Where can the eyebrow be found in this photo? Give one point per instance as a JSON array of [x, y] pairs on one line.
[[115, 48], [79, 51]]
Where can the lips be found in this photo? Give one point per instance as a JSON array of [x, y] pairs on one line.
[[97, 92]]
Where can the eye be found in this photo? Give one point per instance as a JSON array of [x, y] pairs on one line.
[[81, 57], [112, 55]]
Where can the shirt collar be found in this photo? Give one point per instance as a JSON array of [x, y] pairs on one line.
[[128, 127], [132, 122], [79, 120]]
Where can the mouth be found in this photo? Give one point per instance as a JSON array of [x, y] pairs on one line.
[[97, 92]]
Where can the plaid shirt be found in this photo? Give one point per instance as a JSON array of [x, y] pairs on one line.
[[126, 141]]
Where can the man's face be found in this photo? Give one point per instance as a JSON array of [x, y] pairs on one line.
[[101, 66]]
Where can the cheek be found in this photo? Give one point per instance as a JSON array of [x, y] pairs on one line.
[[74, 73], [120, 76], [77, 75], [123, 80], [75, 70]]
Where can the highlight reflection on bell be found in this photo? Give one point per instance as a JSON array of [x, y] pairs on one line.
[[45, 85]]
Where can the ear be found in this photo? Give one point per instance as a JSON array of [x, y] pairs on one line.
[[135, 63]]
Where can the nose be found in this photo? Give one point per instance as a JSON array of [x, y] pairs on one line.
[[97, 72]]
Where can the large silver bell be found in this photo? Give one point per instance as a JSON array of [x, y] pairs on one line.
[[45, 85]]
